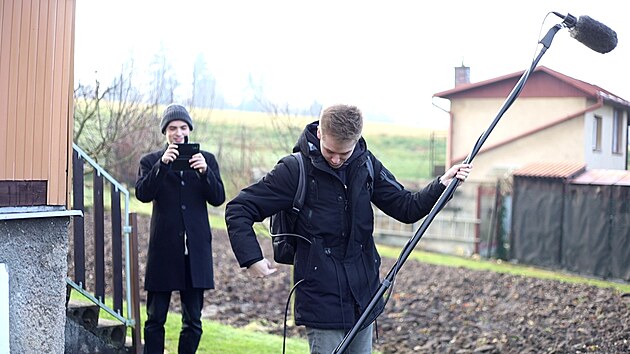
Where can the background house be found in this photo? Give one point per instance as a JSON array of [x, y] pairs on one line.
[[557, 121], [556, 118]]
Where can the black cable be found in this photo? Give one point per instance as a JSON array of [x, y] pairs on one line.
[[286, 312], [284, 234]]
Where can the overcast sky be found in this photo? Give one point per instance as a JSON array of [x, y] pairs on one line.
[[387, 57]]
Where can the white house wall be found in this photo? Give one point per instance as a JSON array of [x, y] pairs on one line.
[[560, 143], [471, 117]]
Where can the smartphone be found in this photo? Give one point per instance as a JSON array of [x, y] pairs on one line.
[[186, 151]]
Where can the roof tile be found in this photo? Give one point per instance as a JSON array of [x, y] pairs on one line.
[[550, 170]]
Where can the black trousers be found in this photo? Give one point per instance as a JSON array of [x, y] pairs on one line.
[[157, 310]]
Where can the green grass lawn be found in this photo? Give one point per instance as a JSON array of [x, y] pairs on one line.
[[218, 338]]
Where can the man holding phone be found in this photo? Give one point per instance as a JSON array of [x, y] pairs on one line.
[[180, 244]]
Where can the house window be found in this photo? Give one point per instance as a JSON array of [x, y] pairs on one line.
[[597, 133], [617, 137]]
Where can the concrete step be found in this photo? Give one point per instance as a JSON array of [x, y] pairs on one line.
[[80, 340], [84, 313], [111, 331]]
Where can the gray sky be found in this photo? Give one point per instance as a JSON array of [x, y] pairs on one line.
[[387, 57]]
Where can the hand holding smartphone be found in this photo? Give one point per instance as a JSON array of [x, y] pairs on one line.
[[186, 151]]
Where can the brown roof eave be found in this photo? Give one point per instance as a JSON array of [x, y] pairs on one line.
[[614, 100], [589, 89]]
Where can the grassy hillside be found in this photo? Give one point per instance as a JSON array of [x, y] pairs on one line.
[[255, 139]]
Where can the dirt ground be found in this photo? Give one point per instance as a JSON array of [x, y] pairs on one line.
[[438, 309]]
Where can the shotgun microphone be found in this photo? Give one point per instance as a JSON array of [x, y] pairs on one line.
[[591, 33]]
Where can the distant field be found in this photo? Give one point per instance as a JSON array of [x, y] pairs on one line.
[[409, 152], [261, 119], [248, 144]]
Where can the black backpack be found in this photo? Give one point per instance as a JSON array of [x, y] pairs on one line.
[[282, 224]]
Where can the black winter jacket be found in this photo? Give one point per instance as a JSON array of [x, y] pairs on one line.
[[179, 205], [341, 267]]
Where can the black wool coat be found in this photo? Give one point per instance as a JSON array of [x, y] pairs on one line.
[[179, 208], [340, 267]]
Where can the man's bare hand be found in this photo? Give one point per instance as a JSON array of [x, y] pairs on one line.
[[198, 162], [170, 154], [460, 171], [261, 269]]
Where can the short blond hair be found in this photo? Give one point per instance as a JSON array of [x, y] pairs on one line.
[[342, 122]]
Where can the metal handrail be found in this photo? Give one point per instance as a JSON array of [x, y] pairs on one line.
[[129, 321]]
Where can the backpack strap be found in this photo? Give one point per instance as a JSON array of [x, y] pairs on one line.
[[370, 167], [300, 192]]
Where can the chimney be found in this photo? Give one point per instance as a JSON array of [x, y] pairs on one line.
[[462, 75]]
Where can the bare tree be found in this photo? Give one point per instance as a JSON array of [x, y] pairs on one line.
[[114, 125], [163, 80], [285, 122], [203, 100], [204, 93]]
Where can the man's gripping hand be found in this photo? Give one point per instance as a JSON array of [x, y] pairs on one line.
[[170, 154], [261, 269]]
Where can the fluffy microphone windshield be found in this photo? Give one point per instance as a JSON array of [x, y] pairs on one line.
[[594, 35]]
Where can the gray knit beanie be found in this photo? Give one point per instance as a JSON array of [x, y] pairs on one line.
[[175, 112]]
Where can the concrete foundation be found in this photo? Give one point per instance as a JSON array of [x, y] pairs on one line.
[[34, 250]]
